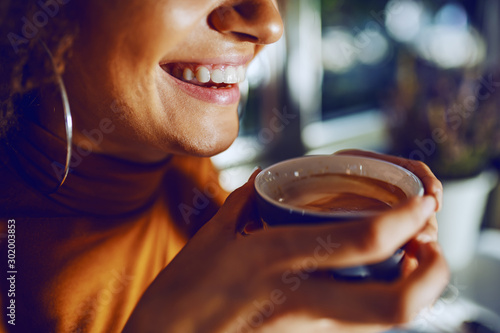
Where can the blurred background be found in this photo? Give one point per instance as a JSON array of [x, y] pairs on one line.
[[418, 79]]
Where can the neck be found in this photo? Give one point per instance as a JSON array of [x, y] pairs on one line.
[[97, 184]]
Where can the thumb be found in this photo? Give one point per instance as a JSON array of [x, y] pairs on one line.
[[239, 208], [403, 222]]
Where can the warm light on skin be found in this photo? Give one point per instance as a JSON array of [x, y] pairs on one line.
[[116, 61]]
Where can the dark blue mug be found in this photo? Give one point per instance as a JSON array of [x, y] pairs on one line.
[[333, 189]]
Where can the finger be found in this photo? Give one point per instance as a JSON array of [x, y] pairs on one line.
[[355, 303], [427, 282], [407, 265], [410, 261], [351, 243], [431, 184], [239, 208], [430, 231], [373, 303]]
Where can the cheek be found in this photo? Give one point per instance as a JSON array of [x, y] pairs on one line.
[[164, 117], [124, 72], [157, 114]]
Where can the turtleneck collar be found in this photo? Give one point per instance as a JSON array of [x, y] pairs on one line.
[[96, 185]]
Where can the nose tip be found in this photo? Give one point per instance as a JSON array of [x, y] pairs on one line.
[[256, 21]]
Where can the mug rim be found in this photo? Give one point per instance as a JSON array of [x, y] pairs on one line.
[[259, 180]]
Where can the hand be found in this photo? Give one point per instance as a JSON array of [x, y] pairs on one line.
[[432, 185], [270, 281]]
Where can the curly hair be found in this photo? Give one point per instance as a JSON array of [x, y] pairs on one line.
[[25, 66]]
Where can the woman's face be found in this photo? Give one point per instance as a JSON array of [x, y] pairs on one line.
[[151, 77]]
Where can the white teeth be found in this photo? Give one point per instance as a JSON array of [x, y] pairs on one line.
[[241, 73], [203, 74], [188, 74], [227, 74], [217, 76], [230, 75]]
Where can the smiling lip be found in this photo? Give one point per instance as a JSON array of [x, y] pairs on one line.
[[211, 92], [221, 96]]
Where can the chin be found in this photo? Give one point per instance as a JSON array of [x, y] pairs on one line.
[[209, 141], [209, 147], [203, 150]]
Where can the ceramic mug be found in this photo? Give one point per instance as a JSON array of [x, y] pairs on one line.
[[335, 189]]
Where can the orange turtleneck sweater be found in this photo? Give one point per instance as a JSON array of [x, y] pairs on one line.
[[85, 255]]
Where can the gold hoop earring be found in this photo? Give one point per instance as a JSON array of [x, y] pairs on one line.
[[68, 119]]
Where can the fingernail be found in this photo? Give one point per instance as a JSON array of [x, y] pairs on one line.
[[255, 171], [428, 205], [425, 238], [256, 168], [439, 199]]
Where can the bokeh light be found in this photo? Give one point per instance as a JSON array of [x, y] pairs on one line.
[[339, 52], [404, 19]]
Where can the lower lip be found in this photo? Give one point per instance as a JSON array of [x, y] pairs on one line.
[[223, 96]]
